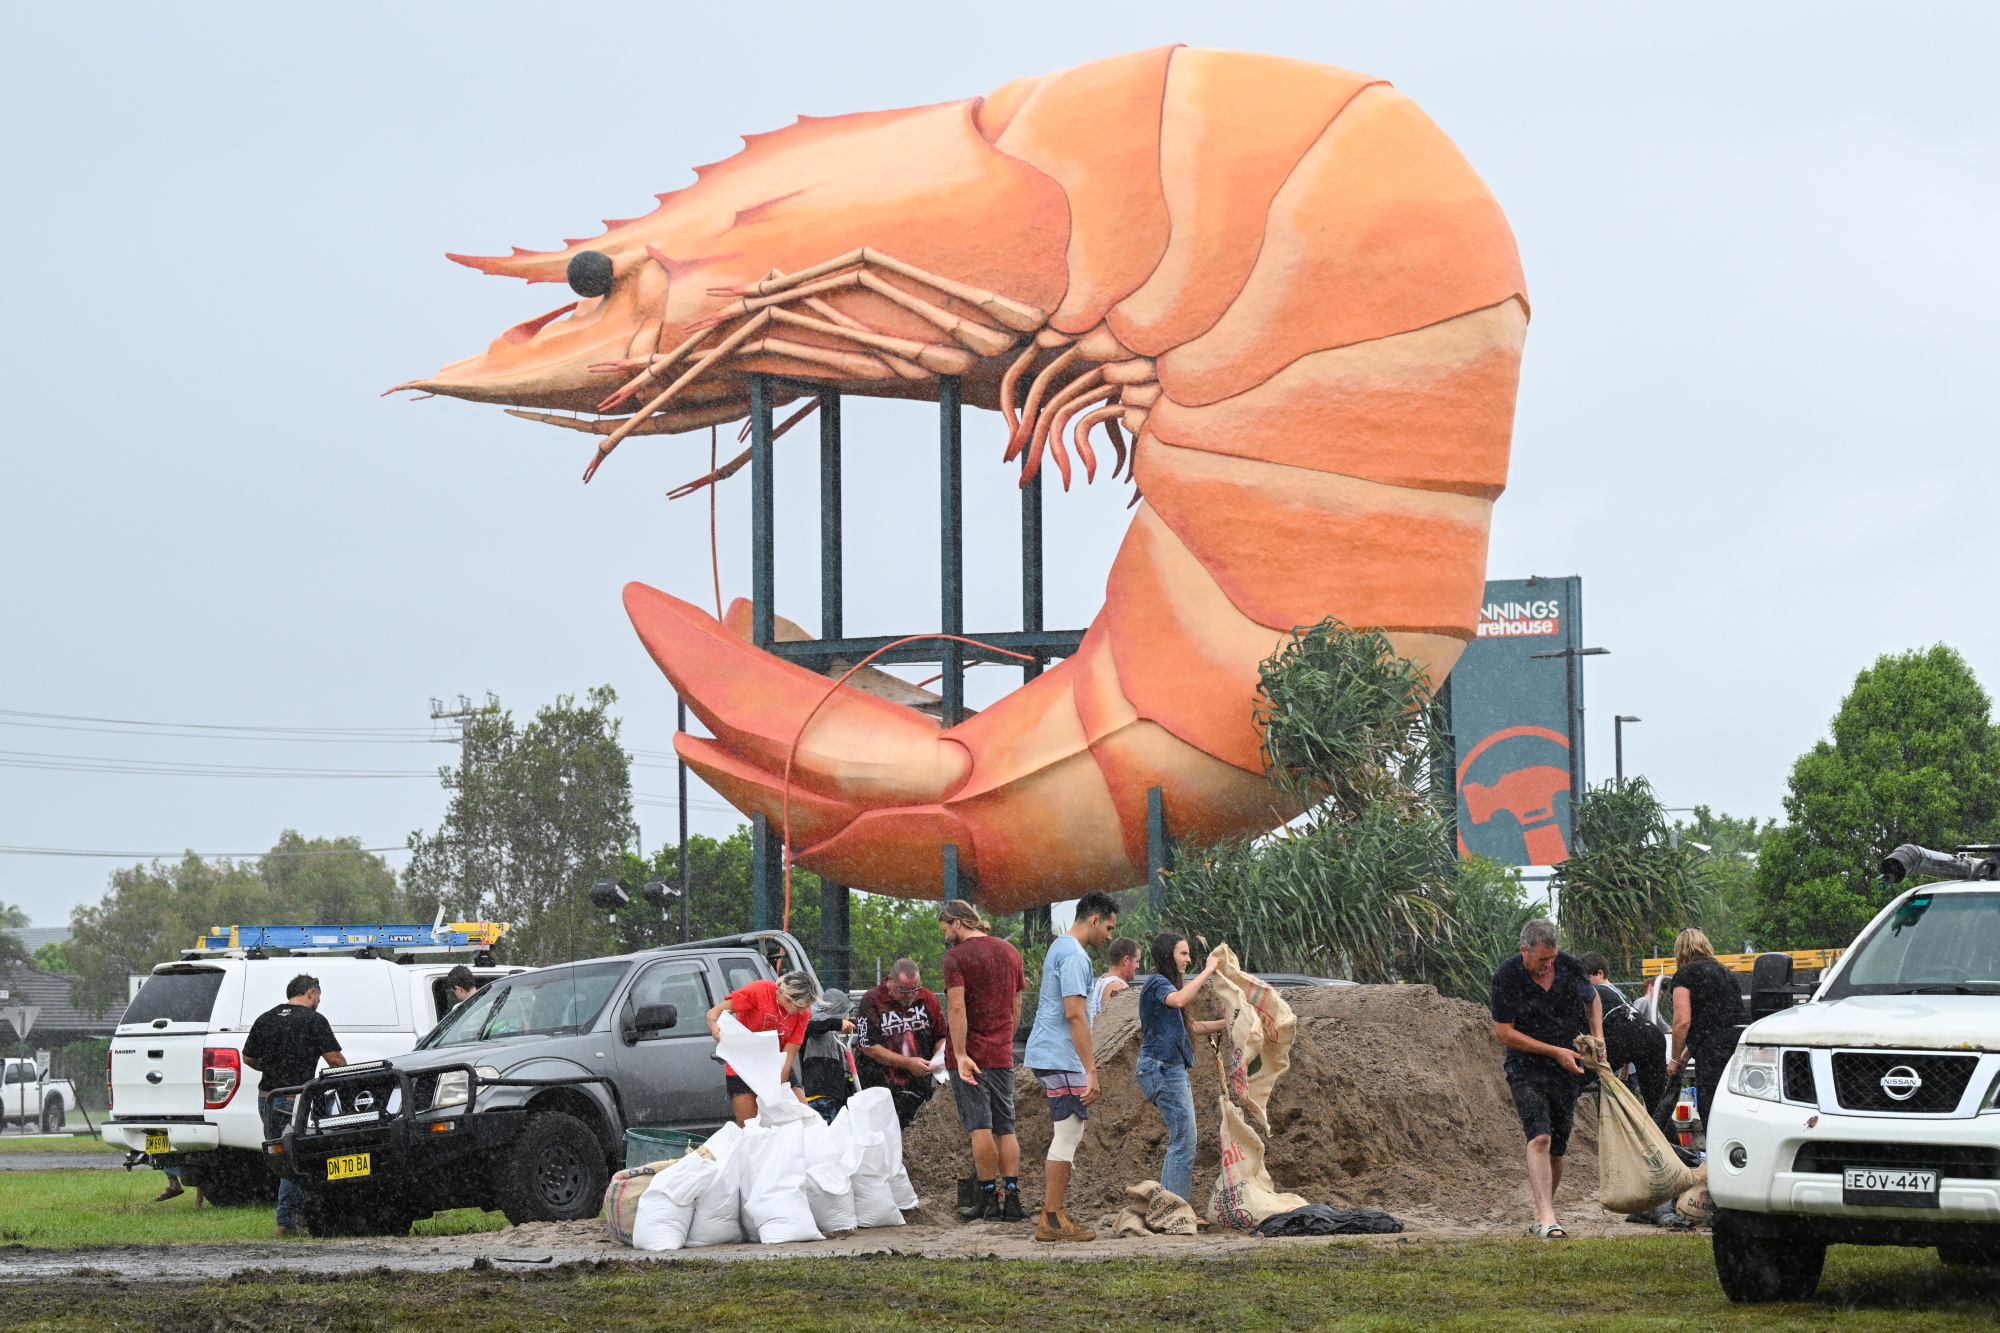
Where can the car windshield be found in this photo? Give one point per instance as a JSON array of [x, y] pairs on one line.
[[1934, 944], [553, 1003]]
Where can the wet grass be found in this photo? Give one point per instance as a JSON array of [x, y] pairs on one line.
[[1661, 1283], [62, 1209]]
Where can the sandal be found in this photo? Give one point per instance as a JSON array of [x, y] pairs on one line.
[[1548, 1231]]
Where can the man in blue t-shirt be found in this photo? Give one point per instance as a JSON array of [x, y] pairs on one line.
[[1542, 1002], [1059, 1052]]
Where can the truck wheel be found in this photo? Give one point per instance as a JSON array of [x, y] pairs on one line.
[[52, 1116], [553, 1171], [353, 1213], [1753, 1269]]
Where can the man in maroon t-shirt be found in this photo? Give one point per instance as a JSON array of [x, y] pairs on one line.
[[983, 982]]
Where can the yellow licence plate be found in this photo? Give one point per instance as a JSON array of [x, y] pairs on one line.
[[157, 1143], [347, 1168]]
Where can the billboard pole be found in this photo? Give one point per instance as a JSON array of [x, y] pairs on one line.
[[1569, 656]]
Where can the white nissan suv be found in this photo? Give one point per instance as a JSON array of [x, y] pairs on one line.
[[1871, 1114]]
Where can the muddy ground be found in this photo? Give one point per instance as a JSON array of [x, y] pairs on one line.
[[1394, 1100]]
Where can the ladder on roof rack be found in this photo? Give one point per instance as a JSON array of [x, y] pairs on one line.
[[456, 937]]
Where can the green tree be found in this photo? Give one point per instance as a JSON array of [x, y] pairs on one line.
[[154, 911], [1912, 758], [1729, 848], [12, 917], [879, 926], [53, 957], [1629, 885], [537, 813], [1366, 885]]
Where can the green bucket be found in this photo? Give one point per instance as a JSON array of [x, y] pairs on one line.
[[658, 1145]]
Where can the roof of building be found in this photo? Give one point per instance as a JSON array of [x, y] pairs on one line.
[[59, 1020], [36, 936]]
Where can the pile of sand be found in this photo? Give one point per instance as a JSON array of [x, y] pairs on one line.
[[1395, 1099]]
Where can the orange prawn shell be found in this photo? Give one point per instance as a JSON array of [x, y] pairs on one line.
[[1308, 310]]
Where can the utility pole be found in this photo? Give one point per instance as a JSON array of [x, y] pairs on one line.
[[458, 716]]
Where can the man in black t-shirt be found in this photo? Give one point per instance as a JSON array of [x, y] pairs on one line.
[[1542, 1002], [1629, 1039], [285, 1045]]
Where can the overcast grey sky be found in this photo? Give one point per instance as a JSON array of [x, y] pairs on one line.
[[1757, 408]]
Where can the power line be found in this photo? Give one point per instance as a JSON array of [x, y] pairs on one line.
[[388, 732], [206, 856], [77, 763], [215, 736]]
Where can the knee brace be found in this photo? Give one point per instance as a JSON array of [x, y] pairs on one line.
[[1069, 1133]]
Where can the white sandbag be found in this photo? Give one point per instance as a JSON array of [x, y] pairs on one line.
[[774, 1185], [874, 1191], [831, 1156], [716, 1219], [663, 1218], [755, 1056], [876, 1108]]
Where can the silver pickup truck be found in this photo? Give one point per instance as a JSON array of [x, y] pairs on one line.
[[519, 1100]]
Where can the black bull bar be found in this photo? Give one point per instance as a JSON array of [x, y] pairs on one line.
[[406, 1132]]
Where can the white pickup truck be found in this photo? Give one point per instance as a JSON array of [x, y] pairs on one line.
[[1871, 1114], [29, 1097], [180, 1091]]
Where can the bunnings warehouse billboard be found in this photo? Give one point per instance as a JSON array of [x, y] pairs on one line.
[[1517, 722]]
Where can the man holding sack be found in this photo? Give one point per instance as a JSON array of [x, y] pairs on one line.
[[1542, 1002]]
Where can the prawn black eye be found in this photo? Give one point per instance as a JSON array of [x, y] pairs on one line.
[[590, 273]]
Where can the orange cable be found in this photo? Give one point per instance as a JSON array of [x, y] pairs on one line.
[[785, 844]]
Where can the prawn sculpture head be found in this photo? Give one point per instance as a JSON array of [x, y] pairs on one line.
[[1280, 279]]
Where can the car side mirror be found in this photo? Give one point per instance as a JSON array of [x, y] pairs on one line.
[[655, 1018]]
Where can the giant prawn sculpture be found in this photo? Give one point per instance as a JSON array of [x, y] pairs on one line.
[[1280, 278]]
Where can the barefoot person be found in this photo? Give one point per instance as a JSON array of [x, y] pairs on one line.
[[1166, 1052], [1542, 1002], [780, 1006], [983, 982], [1060, 1053]]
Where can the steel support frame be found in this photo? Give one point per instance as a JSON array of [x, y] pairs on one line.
[[1032, 638]]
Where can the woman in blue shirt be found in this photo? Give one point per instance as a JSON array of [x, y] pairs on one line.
[[1166, 1052]]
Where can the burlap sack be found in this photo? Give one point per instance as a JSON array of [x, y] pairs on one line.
[[1155, 1210], [1637, 1168], [621, 1198], [1256, 1048]]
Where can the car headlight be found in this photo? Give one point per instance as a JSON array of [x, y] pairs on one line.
[[454, 1089], [1753, 1072]]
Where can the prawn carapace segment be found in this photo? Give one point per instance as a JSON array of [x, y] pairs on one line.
[[1270, 295]]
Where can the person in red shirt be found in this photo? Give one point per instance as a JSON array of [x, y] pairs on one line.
[[766, 1006], [983, 982]]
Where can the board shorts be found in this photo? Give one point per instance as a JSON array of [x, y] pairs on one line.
[[987, 1104], [1065, 1089], [1546, 1106]]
